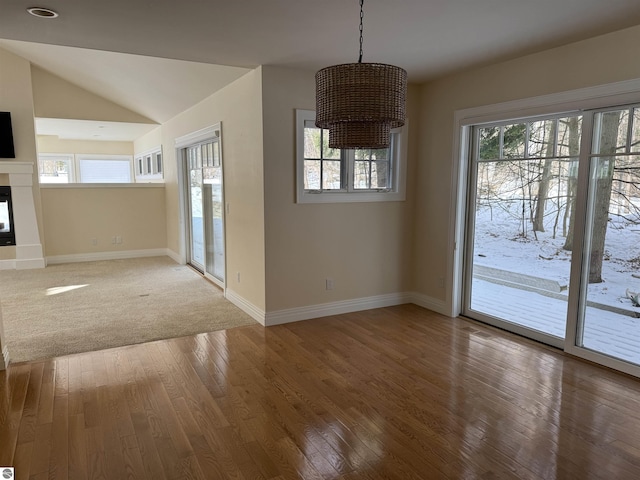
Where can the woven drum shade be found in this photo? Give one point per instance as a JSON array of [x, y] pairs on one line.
[[360, 103]]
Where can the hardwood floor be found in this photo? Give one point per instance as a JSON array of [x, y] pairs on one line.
[[397, 393]]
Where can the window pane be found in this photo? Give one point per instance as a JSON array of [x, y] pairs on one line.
[[331, 175], [542, 138], [569, 136], [513, 141], [361, 174], [489, 143], [216, 154], [380, 174], [54, 170], [105, 171], [380, 154], [326, 151], [613, 132], [362, 154], [312, 174], [635, 139], [312, 143]]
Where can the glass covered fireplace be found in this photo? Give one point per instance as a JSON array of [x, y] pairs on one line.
[[7, 230]]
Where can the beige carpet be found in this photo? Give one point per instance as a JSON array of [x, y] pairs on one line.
[[80, 307]]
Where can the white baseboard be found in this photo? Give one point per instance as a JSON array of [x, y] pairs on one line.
[[30, 263], [430, 303], [7, 264], [93, 257], [22, 264], [335, 308], [249, 308], [175, 257], [296, 314]]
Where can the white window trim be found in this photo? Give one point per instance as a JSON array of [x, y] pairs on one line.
[[397, 192], [84, 156], [154, 176], [74, 171], [68, 157]]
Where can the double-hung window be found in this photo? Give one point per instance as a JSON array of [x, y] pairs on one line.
[[329, 175]]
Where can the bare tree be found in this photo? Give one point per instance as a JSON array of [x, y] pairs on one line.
[[545, 179], [602, 199]]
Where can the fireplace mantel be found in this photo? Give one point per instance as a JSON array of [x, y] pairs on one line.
[[28, 246]]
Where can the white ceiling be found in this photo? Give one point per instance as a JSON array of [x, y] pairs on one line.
[[429, 38]]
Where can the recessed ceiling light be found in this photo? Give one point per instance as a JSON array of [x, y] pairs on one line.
[[42, 12]]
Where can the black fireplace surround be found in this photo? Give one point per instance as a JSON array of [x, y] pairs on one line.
[[7, 229]]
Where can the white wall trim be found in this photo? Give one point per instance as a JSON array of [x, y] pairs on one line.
[[8, 264], [176, 257], [198, 136], [309, 312], [29, 263], [249, 308], [92, 257], [288, 315], [599, 96], [430, 303]]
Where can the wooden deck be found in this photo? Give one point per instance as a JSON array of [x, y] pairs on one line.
[[395, 393]]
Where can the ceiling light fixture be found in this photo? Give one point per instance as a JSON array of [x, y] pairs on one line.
[[42, 12], [360, 102]]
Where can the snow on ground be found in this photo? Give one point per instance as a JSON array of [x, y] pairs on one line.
[[499, 243]]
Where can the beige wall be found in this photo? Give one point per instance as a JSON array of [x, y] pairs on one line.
[[55, 97], [76, 215], [149, 141], [238, 108], [600, 60], [363, 247], [51, 144]]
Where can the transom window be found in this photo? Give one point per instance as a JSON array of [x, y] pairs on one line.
[[84, 168]]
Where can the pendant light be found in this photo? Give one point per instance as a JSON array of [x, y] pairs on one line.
[[360, 102]]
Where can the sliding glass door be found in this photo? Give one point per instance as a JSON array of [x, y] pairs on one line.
[[206, 209], [609, 322], [553, 231], [519, 217]]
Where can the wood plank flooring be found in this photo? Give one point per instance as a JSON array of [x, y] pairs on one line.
[[395, 393]]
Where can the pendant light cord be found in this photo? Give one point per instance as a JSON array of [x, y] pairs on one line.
[[361, 17]]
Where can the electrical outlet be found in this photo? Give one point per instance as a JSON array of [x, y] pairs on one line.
[[114, 240], [329, 283], [441, 282], [118, 239], [238, 277], [94, 241]]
